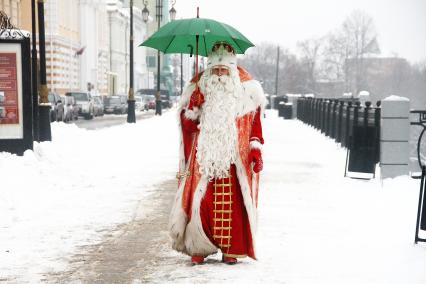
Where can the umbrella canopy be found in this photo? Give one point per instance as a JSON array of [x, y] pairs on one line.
[[179, 36]]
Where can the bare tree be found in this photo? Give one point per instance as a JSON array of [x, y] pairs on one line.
[[310, 52], [346, 49], [361, 35]]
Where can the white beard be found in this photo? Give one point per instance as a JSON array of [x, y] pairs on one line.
[[217, 142]]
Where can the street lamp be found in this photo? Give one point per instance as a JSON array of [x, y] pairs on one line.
[[34, 71], [172, 13], [159, 16], [145, 12], [131, 116]]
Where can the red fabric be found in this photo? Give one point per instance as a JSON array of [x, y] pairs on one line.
[[226, 224], [256, 157], [196, 100], [256, 130], [189, 128]]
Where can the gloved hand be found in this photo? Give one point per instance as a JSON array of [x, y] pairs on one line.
[[196, 100], [256, 157], [189, 125]]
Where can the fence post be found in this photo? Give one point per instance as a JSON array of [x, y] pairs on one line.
[[339, 122], [394, 136], [321, 116], [347, 124], [377, 127], [334, 119]]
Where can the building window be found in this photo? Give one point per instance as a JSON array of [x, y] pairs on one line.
[[152, 61]]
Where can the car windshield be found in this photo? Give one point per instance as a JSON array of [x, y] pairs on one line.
[[149, 98], [80, 96], [112, 101]]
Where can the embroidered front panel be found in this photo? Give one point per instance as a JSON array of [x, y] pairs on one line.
[[222, 212]]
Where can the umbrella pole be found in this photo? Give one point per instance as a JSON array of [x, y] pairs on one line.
[[196, 61], [196, 54]]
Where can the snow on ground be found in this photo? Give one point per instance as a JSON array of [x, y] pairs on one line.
[[68, 192], [315, 226]]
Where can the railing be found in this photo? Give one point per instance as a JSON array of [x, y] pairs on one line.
[[355, 127]]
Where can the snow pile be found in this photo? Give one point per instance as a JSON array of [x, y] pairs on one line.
[[315, 226]]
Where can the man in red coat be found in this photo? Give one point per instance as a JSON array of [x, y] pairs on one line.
[[220, 160]]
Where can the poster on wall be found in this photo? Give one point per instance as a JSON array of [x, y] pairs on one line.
[[8, 89], [11, 125]]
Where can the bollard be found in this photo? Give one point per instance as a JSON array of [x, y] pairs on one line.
[[394, 136]]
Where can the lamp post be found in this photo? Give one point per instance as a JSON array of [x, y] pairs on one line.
[[44, 105], [159, 16], [172, 13], [131, 116], [34, 70]]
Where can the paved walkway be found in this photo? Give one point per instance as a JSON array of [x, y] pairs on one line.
[[128, 253]]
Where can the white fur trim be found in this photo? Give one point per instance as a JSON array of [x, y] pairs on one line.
[[186, 95], [177, 222], [249, 202], [255, 144], [192, 114], [253, 97], [189, 238], [196, 240], [222, 57]]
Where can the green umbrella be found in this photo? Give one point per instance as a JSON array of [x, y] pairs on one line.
[[180, 36]]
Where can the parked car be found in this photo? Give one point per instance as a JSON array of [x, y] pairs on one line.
[[85, 103], [139, 105], [71, 108], [165, 97], [123, 99], [98, 105], [114, 104], [165, 101], [149, 102], [57, 107]]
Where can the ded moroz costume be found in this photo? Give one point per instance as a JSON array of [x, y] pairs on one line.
[[220, 159]]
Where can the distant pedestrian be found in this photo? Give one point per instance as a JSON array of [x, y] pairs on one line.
[[216, 203]]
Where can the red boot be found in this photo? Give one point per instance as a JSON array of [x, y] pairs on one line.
[[195, 260], [229, 260]]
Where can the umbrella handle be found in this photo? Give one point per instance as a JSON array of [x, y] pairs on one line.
[[192, 50]]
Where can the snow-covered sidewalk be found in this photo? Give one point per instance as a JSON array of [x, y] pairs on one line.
[[315, 226]]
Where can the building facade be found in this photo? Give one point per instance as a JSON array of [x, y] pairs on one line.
[[119, 52], [12, 8]]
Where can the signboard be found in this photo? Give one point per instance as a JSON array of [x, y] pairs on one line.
[[11, 123], [16, 111]]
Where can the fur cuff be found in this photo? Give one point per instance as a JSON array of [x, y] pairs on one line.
[[254, 144], [192, 114]]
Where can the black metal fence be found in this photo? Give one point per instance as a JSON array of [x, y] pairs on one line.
[[355, 127]]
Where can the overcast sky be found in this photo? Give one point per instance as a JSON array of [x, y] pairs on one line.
[[401, 24]]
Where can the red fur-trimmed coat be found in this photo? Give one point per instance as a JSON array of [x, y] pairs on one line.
[[185, 223]]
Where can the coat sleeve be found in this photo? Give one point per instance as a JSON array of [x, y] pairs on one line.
[[256, 136], [189, 128]]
